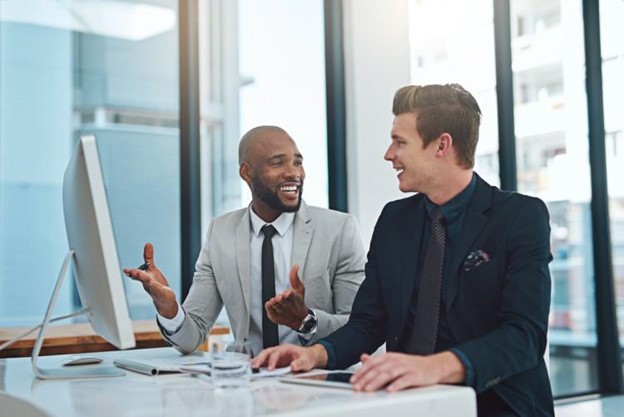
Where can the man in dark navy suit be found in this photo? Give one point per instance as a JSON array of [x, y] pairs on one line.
[[457, 281]]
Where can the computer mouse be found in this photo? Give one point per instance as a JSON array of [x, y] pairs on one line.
[[81, 360]]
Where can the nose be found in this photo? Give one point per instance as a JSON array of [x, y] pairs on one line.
[[389, 155], [293, 171]]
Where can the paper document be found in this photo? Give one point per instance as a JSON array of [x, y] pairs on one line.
[[265, 373], [205, 369]]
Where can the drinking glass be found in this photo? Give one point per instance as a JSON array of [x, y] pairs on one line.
[[232, 367]]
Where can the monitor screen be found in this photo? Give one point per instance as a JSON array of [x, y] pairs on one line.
[[97, 272], [89, 228]]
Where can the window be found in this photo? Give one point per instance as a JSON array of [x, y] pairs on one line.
[[261, 63], [552, 148], [611, 15], [282, 60], [533, 17], [111, 68], [459, 51], [68, 68]]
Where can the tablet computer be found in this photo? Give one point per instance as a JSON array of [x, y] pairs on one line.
[[339, 379]]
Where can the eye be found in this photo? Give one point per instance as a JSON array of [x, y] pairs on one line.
[[298, 162]]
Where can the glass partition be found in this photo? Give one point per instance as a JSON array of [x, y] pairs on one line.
[[74, 67]]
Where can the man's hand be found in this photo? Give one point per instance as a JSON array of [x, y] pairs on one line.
[[397, 371], [299, 358], [155, 284], [289, 308]]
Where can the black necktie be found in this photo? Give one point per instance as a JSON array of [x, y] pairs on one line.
[[425, 330], [269, 329]]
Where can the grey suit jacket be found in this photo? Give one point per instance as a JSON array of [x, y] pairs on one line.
[[327, 247]]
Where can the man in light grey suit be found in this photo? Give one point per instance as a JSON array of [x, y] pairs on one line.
[[321, 246]]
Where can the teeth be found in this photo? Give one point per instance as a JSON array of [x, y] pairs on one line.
[[289, 188]]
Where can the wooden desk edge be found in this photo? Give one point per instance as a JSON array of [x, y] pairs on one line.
[[80, 338]]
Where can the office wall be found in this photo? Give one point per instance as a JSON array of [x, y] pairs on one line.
[[376, 65]]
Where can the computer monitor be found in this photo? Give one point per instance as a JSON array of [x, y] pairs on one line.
[[97, 272]]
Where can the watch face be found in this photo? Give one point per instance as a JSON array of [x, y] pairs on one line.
[[308, 323]]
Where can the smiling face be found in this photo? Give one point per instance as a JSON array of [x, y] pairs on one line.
[[274, 172], [416, 166]]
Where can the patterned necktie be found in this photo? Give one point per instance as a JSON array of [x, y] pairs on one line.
[[269, 329], [425, 331]]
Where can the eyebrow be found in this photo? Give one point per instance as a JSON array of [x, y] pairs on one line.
[[283, 155]]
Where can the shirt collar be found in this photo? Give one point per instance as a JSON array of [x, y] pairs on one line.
[[281, 224], [452, 208]]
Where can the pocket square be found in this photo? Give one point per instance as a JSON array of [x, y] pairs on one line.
[[475, 259]]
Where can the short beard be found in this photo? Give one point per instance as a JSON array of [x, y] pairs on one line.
[[270, 197]]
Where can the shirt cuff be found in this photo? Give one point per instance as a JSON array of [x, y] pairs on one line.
[[331, 355], [470, 372], [172, 325]]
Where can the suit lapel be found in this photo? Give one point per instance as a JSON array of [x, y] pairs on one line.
[[302, 236], [242, 256], [412, 238], [474, 220]]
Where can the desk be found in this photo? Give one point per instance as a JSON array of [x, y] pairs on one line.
[[80, 338], [183, 395]]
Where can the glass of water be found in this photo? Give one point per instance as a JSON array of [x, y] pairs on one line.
[[232, 367]]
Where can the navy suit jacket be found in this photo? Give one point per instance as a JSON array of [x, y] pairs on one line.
[[497, 311]]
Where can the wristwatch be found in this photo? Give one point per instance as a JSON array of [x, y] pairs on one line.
[[309, 323]]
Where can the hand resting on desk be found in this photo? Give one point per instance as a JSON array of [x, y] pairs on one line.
[[396, 371], [391, 371], [297, 357]]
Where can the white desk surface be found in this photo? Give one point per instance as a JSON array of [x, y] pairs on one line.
[[176, 395]]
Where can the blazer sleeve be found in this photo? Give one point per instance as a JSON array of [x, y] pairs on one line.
[[202, 305], [518, 342], [365, 330], [346, 279]]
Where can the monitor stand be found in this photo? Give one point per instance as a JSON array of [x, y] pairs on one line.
[[90, 371]]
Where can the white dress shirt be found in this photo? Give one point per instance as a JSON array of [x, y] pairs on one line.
[[282, 249]]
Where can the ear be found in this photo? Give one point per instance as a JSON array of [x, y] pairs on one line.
[[245, 172], [445, 144]]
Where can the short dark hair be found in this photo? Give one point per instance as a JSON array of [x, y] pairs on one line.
[[443, 108]]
